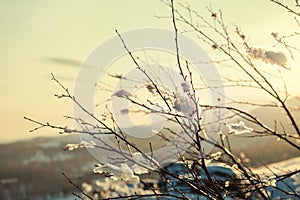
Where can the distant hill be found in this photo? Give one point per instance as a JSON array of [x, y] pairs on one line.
[[36, 167], [32, 168], [268, 149]]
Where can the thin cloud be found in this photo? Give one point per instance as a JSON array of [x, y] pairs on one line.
[[64, 61]]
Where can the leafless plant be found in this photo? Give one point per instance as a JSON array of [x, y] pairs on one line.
[[236, 52]]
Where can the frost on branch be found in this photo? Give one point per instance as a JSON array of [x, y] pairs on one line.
[[121, 93], [217, 155], [186, 87], [82, 144], [119, 173], [238, 128], [270, 57], [141, 165], [183, 104]]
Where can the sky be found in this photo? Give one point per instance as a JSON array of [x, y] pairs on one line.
[[42, 37]]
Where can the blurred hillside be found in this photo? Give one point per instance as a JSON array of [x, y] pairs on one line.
[[268, 149], [33, 169]]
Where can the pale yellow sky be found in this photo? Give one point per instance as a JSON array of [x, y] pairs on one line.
[[36, 34]]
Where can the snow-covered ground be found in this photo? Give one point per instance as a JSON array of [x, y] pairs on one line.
[[111, 187], [287, 165], [290, 184]]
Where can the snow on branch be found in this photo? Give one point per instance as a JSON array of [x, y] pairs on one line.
[[238, 128], [82, 144], [269, 57]]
